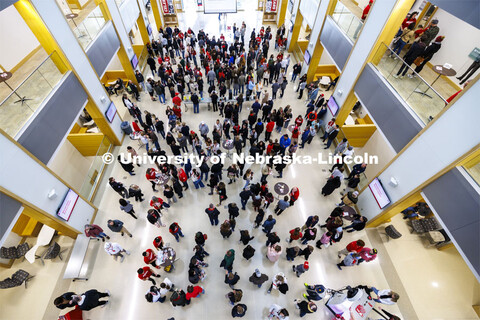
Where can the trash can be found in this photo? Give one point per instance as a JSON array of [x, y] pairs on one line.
[[127, 129]]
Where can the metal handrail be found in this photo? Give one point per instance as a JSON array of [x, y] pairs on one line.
[[413, 70], [21, 83]]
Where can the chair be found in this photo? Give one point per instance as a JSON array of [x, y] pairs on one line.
[[19, 277], [14, 252], [52, 252], [391, 232]]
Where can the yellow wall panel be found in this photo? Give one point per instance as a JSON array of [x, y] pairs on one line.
[[87, 144]]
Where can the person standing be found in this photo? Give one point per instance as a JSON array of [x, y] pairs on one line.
[[258, 278], [365, 12], [415, 50], [431, 32], [227, 262], [213, 214], [126, 206], [331, 136], [305, 307], [239, 310], [269, 224], [146, 273], [427, 55], [90, 299], [354, 246], [350, 259], [118, 187], [94, 231], [282, 205], [117, 226]]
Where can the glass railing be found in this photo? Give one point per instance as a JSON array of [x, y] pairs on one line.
[[88, 29], [96, 170], [422, 98], [347, 21], [25, 99]]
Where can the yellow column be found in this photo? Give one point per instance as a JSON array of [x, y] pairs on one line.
[[143, 29], [282, 10], [48, 220], [312, 67], [394, 210], [156, 13], [346, 109], [296, 31], [35, 23]]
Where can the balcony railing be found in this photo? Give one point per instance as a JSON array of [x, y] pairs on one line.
[[422, 98], [95, 172], [347, 21], [14, 113], [88, 29]]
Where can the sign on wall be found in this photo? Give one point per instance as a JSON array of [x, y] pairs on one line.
[[167, 6], [271, 6]]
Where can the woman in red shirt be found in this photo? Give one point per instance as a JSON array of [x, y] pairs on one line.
[[295, 234], [354, 246], [294, 194]]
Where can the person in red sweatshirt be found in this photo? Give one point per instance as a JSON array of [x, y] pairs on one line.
[[268, 129], [367, 254], [151, 176], [158, 243], [146, 273], [354, 246], [149, 257], [177, 100], [193, 292], [294, 194], [295, 234]]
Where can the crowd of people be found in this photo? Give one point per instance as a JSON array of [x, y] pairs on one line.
[[184, 64]]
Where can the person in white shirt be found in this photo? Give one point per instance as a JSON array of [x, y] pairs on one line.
[[153, 295], [338, 172], [115, 250], [277, 312], [385, 296]]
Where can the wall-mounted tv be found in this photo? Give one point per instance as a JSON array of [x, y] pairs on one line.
[[149, 29], [307, 57], [134, 61], [111, 112], [332, 105], [379, 193], [66, 208]]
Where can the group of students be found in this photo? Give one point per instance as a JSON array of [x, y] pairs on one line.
[[230, 67]]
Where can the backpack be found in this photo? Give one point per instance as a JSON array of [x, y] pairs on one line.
[[182, 176]]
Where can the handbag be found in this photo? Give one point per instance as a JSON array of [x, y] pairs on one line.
[[418, 61]]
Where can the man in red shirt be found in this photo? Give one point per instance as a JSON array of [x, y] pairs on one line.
[[149, 257], [354, 246], [156, 203], [268, 129], [151, 176], [146, 273], [193, 292], [364, 16]]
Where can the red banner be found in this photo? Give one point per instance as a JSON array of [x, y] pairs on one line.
[[274, 6], [165, 7]]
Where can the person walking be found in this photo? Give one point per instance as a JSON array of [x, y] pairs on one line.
[[269, 224], [227, 262], [94, 231], [301, 268], [90, 299], [351, 259], [126, 206], [115, 250], [154, 217], [279, 283], [118, 187], [315, 292], [282, 205], [117, 226], [305, 307], [176, 231]]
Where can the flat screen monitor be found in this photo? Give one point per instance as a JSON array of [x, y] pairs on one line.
[[219, 6], [149, 29], [307, 57], [111, 112], [332, 105], [379, 193], [134, 61], [66, 208]]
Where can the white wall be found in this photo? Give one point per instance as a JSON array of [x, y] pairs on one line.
[[22, 175], [18, 44], [309, 8], [431, 152], [129, 12], [460, 39], [64, 6], [376, 19]]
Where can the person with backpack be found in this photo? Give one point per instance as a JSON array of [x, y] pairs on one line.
[[176, 231], [154, 217]]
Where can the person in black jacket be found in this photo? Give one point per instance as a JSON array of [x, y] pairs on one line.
[[231, 278], [332, 135], [428, 54], [90, 299], [195, 101], [233, 211], [126, 166], [64, 301], [244, 196], [416, 50], [245, 237], [239, 310], [248, 252]]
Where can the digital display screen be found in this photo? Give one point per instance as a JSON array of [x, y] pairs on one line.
[[66, 209], [134, 61], [379, 193], [307, 57], [219, 6], [332, 105], [111, 112]]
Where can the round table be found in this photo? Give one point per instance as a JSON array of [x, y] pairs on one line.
[[167, 257], [441, 71], [4, 76], [228, 145], [72, 16], [162, 179], [348, 213], [281, 188]]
